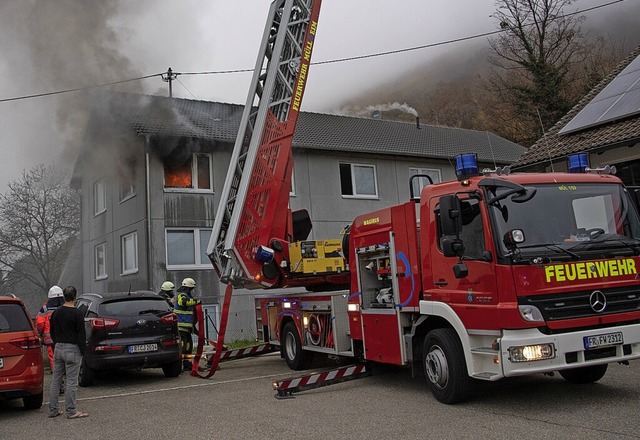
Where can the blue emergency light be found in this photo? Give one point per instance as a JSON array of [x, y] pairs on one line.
[[264, 254], [466, 165], [578, 163]]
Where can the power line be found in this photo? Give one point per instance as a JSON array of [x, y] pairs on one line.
[[77, 89], [337, 60]]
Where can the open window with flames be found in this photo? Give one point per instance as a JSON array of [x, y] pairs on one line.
[[192, 171]]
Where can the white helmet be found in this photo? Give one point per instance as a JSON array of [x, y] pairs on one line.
[[167, 285], [188, 282], [55, 292]]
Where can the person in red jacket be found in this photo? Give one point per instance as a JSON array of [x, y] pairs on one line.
[[43, 320]]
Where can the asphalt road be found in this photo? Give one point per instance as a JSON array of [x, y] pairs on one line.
[[238, 403]]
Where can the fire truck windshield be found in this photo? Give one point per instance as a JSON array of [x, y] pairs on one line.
[[567, 221]]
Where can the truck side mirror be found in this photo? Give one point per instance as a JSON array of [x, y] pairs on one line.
[[452, 247], [450, 215]]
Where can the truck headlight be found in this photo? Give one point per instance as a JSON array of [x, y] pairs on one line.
[[530, 313], [528, 353]]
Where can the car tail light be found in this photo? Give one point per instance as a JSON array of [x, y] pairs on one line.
[[27, 342], [102, 323], [169, 318], [171, 342]]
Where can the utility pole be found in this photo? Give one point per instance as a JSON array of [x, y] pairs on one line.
[[169, 77]]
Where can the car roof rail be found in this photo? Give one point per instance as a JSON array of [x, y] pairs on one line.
[[10, 295]]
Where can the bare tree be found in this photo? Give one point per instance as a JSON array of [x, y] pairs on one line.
[[533, 59], [39, 215]]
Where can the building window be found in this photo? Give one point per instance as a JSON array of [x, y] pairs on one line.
[[100, 261], [292, 190], [187, 248], [358, 180], [192, 173], [130, 253], [127, 190], [99, 197], [420, 182]]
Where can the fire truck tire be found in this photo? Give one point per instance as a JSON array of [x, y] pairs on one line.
[[445, 367], [581, 375], [294, 355]]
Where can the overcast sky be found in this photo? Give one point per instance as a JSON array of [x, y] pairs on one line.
[[50, 45]]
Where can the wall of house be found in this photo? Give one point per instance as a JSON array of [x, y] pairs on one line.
[[317, 186], [120, 217], [179, 209]]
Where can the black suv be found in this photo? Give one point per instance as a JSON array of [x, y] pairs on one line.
[[128, 330]]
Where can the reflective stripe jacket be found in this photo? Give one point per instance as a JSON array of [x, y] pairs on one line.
[[184, 310], [43, 323]]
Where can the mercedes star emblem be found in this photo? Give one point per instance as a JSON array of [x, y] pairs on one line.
[[598, 301]]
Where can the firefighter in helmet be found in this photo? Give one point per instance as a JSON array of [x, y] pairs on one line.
[[166, 291], [185, 303], [54, 300]]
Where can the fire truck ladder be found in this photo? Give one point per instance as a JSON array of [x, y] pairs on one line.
[[254, 201], [285, 388]]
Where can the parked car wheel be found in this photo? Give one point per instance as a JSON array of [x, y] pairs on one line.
[[172, 369], [86, 378], [32, 402]]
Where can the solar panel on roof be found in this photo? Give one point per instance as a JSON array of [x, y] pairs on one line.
[[619, 99]]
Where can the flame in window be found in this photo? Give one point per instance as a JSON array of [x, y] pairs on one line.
[[178, 175]]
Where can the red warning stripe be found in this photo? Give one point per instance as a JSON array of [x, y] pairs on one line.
[[258, 349], [317, 378]]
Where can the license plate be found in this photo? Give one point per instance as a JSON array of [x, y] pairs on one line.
[[605, 340], [143, 348]]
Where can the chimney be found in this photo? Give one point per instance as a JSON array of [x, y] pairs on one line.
[[418, 122]]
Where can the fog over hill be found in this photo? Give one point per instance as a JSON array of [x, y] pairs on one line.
[[452, 89]]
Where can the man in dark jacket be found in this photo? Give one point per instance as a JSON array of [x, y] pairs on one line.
[[68, 334], [185, 303]]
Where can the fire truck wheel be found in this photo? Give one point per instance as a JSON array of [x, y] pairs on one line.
[[296, 357], [590, 374], [445, 366]]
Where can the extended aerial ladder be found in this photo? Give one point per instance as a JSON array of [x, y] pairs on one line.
[[254, 201]]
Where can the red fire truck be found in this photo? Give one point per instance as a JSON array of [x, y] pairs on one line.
[[489, 276]]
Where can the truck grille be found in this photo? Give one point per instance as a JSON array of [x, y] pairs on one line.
[[576, 304]]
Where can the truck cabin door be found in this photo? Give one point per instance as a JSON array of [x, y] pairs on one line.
[[461, 262]]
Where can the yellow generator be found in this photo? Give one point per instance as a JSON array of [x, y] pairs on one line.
[[315, 257]]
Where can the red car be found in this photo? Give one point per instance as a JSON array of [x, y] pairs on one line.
[[21, 363]]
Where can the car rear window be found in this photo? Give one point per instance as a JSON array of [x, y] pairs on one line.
[[13, 318], [132, 307]]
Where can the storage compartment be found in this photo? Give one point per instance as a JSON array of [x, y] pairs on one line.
[[375, 270]]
